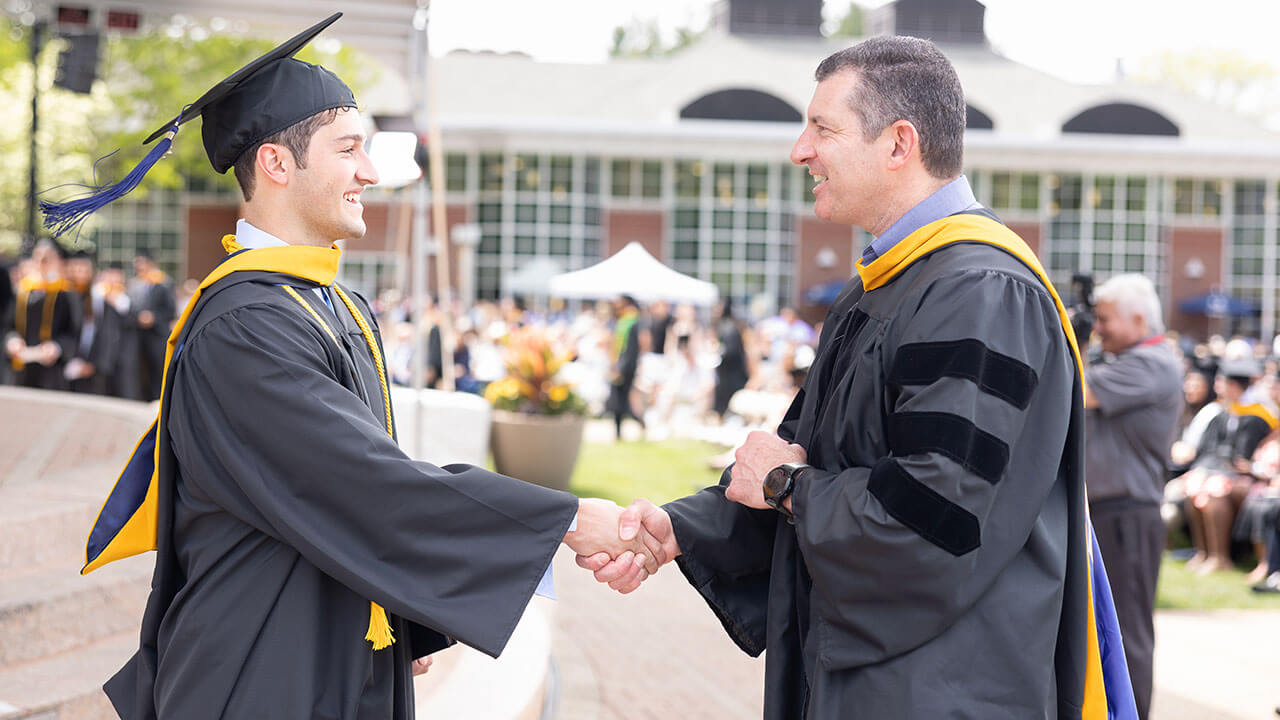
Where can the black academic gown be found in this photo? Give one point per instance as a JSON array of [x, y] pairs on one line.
[[731, 373], [285, 508], [148, 358], [42, 315], [102, 348], [937, 566]]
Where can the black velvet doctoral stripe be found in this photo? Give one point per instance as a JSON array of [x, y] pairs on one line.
[[980, 452], [917, 506], [996, 374]]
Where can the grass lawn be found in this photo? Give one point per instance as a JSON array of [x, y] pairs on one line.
[[666, 470], [1181, 589], [659, 471]]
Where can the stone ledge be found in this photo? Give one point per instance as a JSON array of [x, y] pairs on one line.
[[474, 685]]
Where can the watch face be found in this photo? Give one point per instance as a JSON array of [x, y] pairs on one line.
[[775, 481]]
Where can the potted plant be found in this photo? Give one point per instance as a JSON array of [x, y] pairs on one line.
[[537, 418]]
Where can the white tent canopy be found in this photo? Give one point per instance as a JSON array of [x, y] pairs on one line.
[[534, 279], [633, 271]]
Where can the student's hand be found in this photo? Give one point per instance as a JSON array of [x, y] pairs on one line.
[[598, 532], [652, 526]]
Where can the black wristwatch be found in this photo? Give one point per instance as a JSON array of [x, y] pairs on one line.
[[779, 484]]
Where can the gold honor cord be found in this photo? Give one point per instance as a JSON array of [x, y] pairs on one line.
[[46, 316], [379, 626], [373, 350]]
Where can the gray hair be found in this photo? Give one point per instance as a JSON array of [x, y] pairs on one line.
[[1132, 294], [906, 78]]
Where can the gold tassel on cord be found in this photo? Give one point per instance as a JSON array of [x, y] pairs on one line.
[[379, 629]]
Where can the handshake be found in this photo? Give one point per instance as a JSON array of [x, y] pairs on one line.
[[622, 546], [625, 546]]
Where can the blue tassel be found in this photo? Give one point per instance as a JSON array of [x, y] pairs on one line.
[[59, 218]]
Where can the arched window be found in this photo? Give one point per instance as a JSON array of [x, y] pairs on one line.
[[975, 119], [1121, 119], [740, 104]]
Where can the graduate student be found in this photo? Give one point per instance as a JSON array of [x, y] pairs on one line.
[[303, 560], [913, 541]]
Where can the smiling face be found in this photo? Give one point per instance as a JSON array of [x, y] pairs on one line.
[[328, 188], [1118, 330], [848, 167]]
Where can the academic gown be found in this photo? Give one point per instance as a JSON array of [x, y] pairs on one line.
[[937, 566], [103, 349], [42, 313], [285, 507]]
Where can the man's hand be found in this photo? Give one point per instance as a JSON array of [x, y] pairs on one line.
[[761, 453], [598, 533], [422, 665], [146, 319], [14, 346], [652, 525]]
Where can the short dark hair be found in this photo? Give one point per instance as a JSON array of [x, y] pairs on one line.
[[906, 78], [296, 137]]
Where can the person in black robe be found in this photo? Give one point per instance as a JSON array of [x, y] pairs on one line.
[[626, 361], [303, 560], [102, 298], [151, 314], [913, 542], [732, 373], [46, 322]]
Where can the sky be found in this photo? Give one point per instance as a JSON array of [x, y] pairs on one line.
[[1079, 40]]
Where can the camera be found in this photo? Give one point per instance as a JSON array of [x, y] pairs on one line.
[[1081, 308]]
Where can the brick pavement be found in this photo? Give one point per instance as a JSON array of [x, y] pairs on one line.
[[1210, 665], [610, 648]]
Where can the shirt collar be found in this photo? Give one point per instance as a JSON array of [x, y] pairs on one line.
[[956, 196], [252, 238]]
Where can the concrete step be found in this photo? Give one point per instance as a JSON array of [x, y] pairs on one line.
[[67, 686], [45, 523], [50, 611]]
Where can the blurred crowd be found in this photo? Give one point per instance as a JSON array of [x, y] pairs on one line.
[[655, 366], [1224, 489], [76, 326], [72, 325]]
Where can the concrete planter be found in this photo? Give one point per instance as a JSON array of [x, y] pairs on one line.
[[540, 449]]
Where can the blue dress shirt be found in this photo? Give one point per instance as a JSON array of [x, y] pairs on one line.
[[956, 196]]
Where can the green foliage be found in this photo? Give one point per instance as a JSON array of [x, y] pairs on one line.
[[14, 44], [850, 24], [64, 149], [154, 75], [144, 80], [644, 39], [659, 471], [1228, 78]]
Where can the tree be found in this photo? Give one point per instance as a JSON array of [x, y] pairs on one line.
[[155, 74], [144, 80], [64, 150], [644, 39], [1227, 78], [850, 24]]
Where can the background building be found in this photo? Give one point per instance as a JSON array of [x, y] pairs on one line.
[[687, 154]]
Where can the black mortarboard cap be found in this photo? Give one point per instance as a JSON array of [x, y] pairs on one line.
[[256, 101], [263, 98]]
